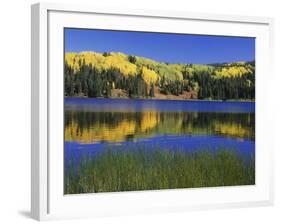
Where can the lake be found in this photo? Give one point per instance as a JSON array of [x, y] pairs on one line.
[[92, 125]]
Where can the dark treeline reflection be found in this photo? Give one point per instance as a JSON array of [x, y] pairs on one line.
[[91, 127]]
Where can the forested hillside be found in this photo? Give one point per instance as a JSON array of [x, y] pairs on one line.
[[90, 74]]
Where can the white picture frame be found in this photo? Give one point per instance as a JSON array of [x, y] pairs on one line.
[[47, 199]]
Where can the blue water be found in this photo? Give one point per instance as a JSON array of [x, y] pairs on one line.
[[157, 105], [203, 116], [245, 148]]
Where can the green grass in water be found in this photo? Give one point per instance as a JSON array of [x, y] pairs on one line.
[[134, 170]]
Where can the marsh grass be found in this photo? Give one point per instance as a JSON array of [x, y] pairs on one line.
[[142, 169]]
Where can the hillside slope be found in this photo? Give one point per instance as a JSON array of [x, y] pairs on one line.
[[91, 74]]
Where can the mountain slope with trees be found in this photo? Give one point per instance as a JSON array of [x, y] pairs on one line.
[[111, 74]]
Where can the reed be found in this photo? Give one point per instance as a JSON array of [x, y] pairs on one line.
[[142, 169]]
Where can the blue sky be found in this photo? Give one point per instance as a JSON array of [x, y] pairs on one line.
[[164, 47]]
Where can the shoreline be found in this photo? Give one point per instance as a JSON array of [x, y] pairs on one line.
[[161, 99]]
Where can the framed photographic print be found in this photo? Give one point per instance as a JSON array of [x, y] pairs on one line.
[[148, 111]]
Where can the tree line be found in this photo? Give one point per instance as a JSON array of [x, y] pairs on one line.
[[91, 82]]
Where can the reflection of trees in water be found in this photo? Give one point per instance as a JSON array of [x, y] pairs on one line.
[[87, 126]]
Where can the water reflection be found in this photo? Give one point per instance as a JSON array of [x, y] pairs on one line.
[[90, 127]]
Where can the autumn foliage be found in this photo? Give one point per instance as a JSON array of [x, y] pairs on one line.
[[91, 74]]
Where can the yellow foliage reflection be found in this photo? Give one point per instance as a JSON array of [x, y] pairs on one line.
[[101, 131], [94, 127], [149, 120], [233, 130]]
